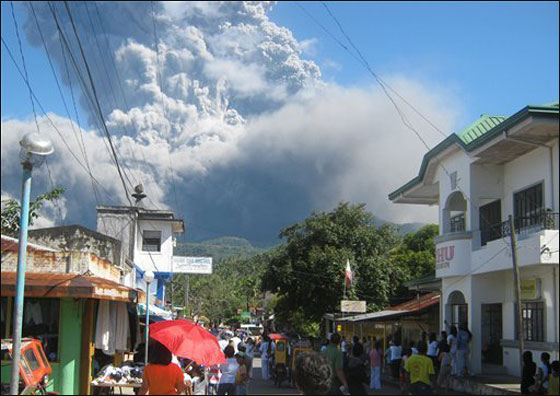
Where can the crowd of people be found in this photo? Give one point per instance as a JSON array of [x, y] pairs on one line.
[[341, 367], [421, 367], [541, 378]]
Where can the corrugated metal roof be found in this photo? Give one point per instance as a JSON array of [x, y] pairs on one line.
[[57, 285], [412, 306], [478, 128], [425, 301]]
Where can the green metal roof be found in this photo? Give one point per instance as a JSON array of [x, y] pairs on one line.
[[482, 130], [478, 128]]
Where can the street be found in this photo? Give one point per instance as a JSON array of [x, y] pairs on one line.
[[260, 387]]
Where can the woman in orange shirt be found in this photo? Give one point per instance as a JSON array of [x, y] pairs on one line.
[[161, 377]]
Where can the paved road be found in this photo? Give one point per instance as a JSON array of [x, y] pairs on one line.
[[261, 387]]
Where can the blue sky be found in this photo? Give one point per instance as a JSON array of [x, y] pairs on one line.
[[499, 56], [496, 56], [454, 60]]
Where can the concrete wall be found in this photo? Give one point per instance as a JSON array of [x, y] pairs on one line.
[[162, 259], [526, 171], [78, 238]]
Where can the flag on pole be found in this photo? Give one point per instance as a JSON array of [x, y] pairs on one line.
[[348, 273]]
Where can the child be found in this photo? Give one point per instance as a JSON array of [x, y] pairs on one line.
[[444, 363], [543, 370], [242, 375], [402, 375], [553, 378]]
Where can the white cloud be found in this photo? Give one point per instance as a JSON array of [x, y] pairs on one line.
[[309, 47], [255, 138]]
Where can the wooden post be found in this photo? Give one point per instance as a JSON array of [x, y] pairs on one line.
[[87, 347], [517, 288]]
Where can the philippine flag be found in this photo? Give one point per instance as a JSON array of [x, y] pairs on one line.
[[348, 273]]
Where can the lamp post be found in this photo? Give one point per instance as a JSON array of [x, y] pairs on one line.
[[148, 277], [34, 149]]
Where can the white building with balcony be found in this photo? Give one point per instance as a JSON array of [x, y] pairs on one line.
[[497, 167]]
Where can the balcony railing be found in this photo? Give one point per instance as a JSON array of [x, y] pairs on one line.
[[524, 225]]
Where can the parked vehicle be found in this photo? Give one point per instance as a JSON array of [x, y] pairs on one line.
[[34, 368]]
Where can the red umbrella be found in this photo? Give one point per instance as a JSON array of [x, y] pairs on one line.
[[188, 340], [274, 336]]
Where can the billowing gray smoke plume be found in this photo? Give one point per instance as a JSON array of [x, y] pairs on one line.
[[255, 138]]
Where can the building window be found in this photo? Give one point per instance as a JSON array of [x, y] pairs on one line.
[[459, 314], [457, 223], [151, 241], [490, 222], [533, 321], [528, 207], [40, 320]]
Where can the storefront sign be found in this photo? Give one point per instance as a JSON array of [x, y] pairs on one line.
[[192, 265], [353, 306], [530, 289], [444, 256]]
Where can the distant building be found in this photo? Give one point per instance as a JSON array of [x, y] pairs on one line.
[[498, 166], [148, 239]]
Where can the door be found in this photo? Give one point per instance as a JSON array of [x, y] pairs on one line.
[[490, 222], [492, 334]]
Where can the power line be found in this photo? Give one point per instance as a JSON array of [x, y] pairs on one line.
[[127, 106], [156, 43], [55, 201], [403, 118], [94, 91], [47, 116]]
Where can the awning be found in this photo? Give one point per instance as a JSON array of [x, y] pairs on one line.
[[155, 311], [59, 285]]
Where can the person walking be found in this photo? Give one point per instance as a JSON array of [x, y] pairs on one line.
[[229, 372], [553, 383], [242, 376], [433, 350], [267, 349], [396, 356], [160, 376], [250, 354], [528, 372], [335, 359], [375, 359], [420, 371], [356, 376], [444, 363], [452, 342], [463, 339]]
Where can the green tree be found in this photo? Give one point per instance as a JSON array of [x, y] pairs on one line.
[[416, 256], [308, 271], [234, 284], [11, 211]]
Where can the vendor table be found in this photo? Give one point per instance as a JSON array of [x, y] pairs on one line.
[[116, 385]]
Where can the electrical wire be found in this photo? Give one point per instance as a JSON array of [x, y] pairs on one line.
[[56, 200], [94, 91]]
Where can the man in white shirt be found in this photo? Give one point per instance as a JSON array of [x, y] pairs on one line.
[[223, 342]]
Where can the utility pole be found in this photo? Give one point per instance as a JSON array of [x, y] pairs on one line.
[[517, 287], [187, 298]]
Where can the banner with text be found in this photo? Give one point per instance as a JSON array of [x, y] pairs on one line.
[[192, 265], [353, 306]]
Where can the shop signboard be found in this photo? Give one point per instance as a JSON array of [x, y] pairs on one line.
[[192, 265], [353, 306], [529, 289]]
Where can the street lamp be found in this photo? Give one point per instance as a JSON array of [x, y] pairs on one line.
[[148, 278], [34, 150]]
